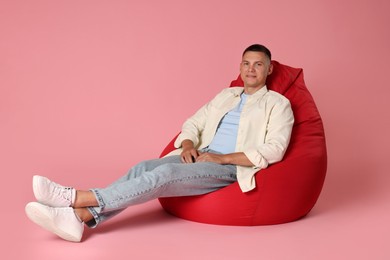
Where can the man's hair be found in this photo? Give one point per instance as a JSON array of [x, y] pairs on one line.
[[258, 48]]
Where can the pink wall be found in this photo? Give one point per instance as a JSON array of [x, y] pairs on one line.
[[88, 88]]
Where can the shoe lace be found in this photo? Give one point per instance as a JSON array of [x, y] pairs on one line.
[[63, 192]]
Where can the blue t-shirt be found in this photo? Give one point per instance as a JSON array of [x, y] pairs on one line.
[[225, 138]]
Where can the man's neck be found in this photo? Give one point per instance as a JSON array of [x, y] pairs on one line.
[[252, 90]]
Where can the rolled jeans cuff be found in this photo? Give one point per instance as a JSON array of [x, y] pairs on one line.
[[95, 221]]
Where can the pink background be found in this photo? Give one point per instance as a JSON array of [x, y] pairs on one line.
[[88, 88]]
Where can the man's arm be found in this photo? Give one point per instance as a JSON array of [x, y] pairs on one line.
[[191, 155], [192, 127], [231, 158], [277, 138]]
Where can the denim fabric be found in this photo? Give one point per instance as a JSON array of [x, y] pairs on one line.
[[165, 177]]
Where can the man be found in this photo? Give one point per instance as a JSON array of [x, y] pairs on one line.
[[239, 132]]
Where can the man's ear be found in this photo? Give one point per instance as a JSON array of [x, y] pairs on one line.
[[270, 69]]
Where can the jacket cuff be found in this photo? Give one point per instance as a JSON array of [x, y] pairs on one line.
[[256, 158], [183, 137]]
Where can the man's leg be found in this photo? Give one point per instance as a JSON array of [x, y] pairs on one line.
[[163, 179], [166, 180], [86, 205]]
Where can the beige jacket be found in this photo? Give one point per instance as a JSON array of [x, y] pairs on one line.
[[263, 134]]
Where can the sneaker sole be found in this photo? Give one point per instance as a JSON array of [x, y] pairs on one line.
[[36, 214]]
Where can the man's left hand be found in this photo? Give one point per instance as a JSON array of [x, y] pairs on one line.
[[211, 157]]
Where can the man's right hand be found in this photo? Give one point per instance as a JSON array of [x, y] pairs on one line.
[[189, 153]]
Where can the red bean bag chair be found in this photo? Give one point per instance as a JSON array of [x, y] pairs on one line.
[[285, 191]]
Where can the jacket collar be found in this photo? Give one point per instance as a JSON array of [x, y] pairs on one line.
[[239, 90]]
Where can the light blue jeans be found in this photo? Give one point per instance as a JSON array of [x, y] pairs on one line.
[[164, 177]]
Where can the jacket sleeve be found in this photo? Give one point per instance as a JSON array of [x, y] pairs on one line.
[[193, 127], [277, 136]]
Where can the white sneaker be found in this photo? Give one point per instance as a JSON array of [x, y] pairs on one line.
[[61, 221], [52, 194]]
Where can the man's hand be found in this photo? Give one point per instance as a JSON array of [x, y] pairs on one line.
[[230, 158], [211, 157], [189, 153]]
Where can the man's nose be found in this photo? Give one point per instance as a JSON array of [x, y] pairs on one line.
[[251, 67]]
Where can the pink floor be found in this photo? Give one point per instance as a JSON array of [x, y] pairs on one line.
[[350, 221], [88, 88]]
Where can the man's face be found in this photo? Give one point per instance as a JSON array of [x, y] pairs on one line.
[[254, 69]]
